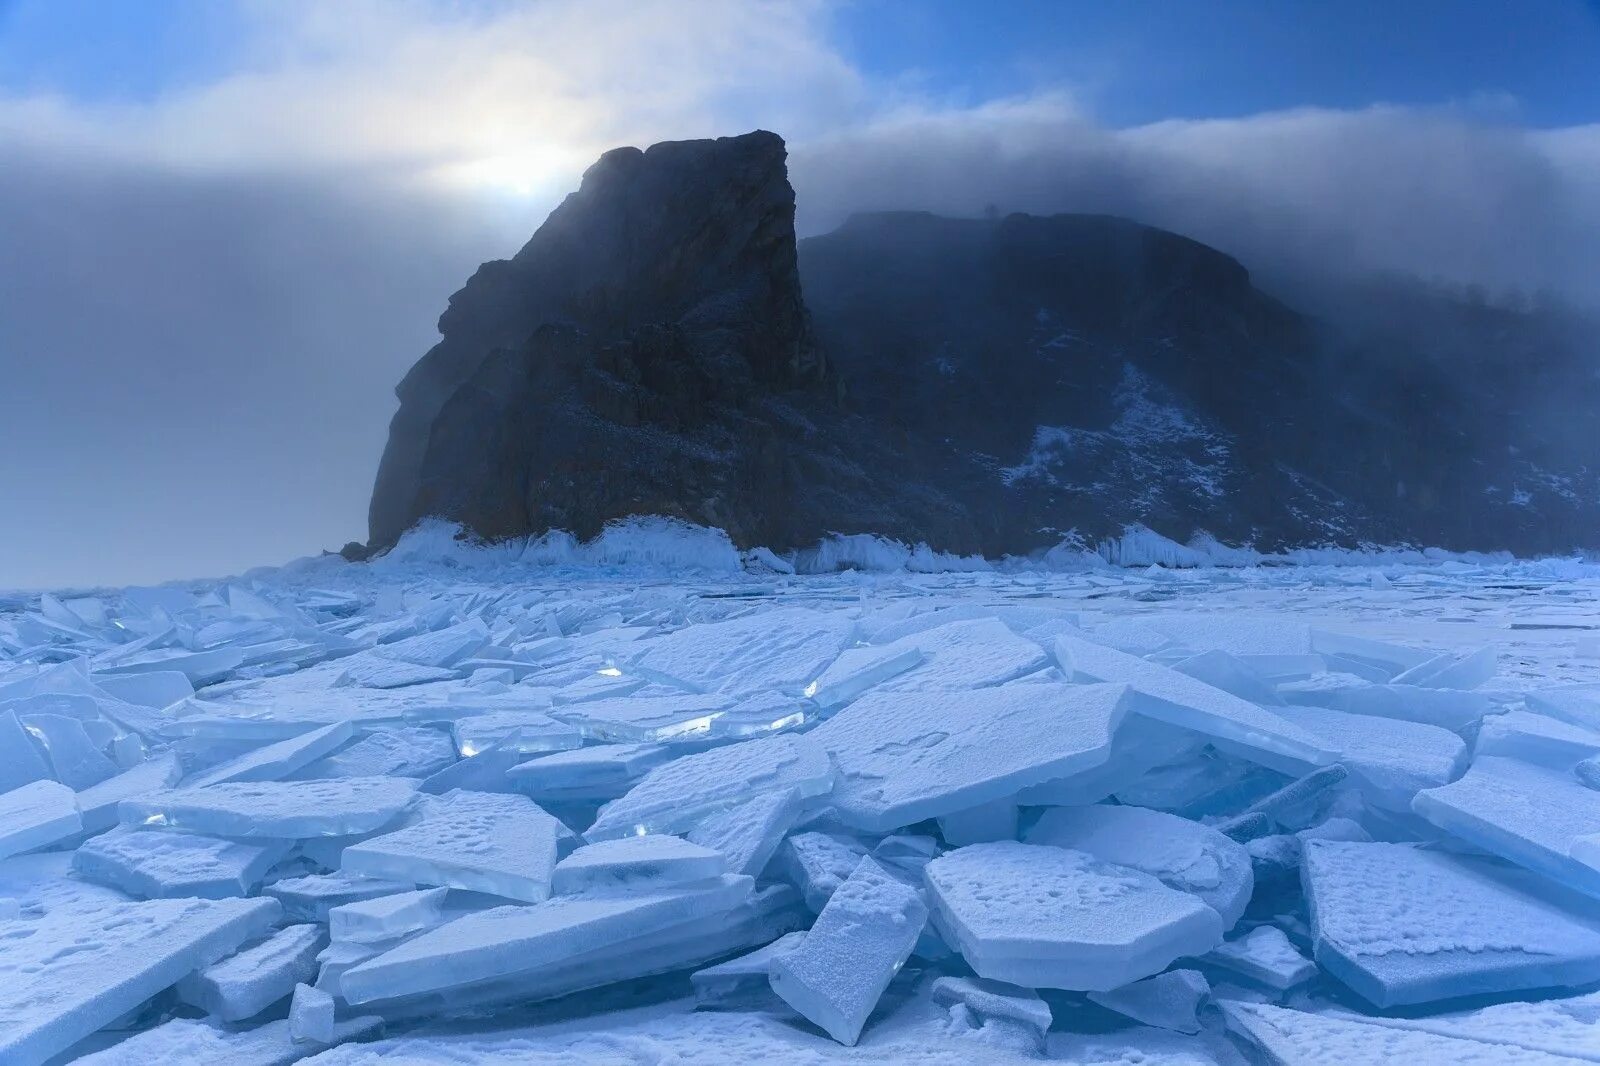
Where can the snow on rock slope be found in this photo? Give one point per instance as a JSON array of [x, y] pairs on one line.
[[504, 802]]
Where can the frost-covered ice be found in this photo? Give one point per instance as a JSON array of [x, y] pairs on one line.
[[1343, 811]]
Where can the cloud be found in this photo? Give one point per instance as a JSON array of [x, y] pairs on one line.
[[210, 294]]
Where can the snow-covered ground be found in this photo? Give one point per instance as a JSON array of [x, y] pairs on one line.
[[643, 801]]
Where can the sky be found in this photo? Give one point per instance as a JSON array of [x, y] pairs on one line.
[[228, 226]]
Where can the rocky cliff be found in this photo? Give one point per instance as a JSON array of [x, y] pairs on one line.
[[663, 346]]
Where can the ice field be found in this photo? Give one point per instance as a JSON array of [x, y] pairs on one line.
[[646, 801]]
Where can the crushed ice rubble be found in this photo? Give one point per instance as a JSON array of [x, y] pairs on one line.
[[423, 812]]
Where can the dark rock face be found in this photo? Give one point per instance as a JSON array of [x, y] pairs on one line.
[[980, 385]]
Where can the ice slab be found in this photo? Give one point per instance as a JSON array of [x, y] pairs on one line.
[[1177, 699], [484, 772], [99, 803], [1392, 657], [310, 898], [384, 918], [904, 757], [311, 1017], [599, 772], [817, 864], [741, 983], [439, 648], [75, 760], [1299, 1038], [976, 653], [1134, 753], [526, 732], [1184, 855], [199, 1041], [1389, 758], [1536, 816], [1265, 955], [511, 940], [37, 815], [282, 809], [412, 751], [835, 977], [1047, 917], [748, 835], [674, 797], [1223, 671], [501, 844], [636, 862], [159, 863], [1402, 925], [21, 761], [274, 762], [995, 820], [156, 689], [1446, 708], [74, 970], [783, 650], [858, 669], [644, 719], [1536, 738], [256, 976], [1168, 1000], [371, 671], [984, 1003], [1578, 705], [1451, 670]]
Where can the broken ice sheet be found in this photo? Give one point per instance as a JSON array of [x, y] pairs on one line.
[[404, 751], [1264, 955], [903, 757], [1169, 1000], [783, 650], [500, 844], [258, 975], [275, 761], [741, 983], [674, 797], [160, 863], [281, 809], [1184, 855], [1401, 925], [1539, 817], [199, 1041], [836, 975], [519, 939], [527, 732], [976, 653], [74, 970], [99, 804], [1047, 917], [748, 834], [594, 773], [309, 898], [643, 719], [37, 815], [648, 861], [1167, 696], [384, 918], [1019, 1013]]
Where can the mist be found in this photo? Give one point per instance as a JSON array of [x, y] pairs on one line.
[[202, 355]]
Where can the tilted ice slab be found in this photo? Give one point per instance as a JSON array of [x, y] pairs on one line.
[[1446, 708], [161, 863], [441, 647], [748, 835], [1177, 699], [1184, 855], [903, 757], [784, 650], [20, 760], [976, 653], [1134, 753], [409, 751], [257, 976], [528, 732], [675, 797], [1046, 917], [1536, 738], [99, 804], [650, 861], [858, 669], [646, 719], [37, 814], [77, 969], [276, 761], [817, 864], [75, 760], [1264, 955], [742, 981], [980, 1004], [1390, 759], [385, 918], [1169, 1000], [1558, 1027], [501, 844], [310, 898], [858, 943], [1538, 817], [282, 809], [1401, 924], [598, 772], [509, 940], [1298, 1038]]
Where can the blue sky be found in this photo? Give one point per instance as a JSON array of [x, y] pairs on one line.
[[1133, 61], [231, 224]]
